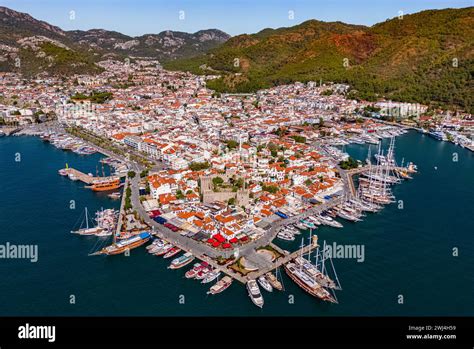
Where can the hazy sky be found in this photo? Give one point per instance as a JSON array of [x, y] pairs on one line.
[[232, 16]]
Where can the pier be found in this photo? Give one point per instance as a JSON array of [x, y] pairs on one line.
[[85, 178]]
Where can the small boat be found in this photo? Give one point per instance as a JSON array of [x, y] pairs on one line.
[[62, 172], [202, 274], [254, 293], [163, 250], [220, 285], [274, 281], [265, 284], [191, 273], [284, 235], [88, 230], [181, 261], [172, 252], [115, 196], [211, 277]]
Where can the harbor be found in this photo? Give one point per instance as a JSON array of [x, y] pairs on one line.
[[355, 298], [257, 261]]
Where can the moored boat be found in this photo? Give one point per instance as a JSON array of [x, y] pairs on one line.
[[172, 252], [126, 244], [211, 276], [265, 284], [220, 285], [198, 267], [254, 293], [307, 283], [272, 279], [181, 261]]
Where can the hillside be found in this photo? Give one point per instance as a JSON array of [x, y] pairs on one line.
[[424, 57]]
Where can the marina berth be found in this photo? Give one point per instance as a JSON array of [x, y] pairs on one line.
[[265, 284], [198, 267], [274, 282], [181, 261], [308, 283], [172, 252], [254, 293], [211, 276], [220, 285], [126, 244]]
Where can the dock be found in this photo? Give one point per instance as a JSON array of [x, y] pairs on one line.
[[86, 178]]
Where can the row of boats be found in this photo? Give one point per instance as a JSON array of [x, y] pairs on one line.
[[368, 137], [201, 271], [67, 142], [312, 278], [311, 222]]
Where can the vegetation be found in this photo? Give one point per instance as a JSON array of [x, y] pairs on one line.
[[199, 166], [131, 174], [273, 189], [231, 144], [299, 139], [425, 57], [94, 96], [349, 164]]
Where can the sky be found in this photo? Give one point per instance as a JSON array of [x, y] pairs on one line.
[[138, 17]]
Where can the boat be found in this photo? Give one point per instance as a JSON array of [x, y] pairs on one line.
[[313, 271], [300, 226], [72, 177], [308, 283], [115, 196], [126, 244], [439, 135], [308, 224], [88, 230], [285, 235], [62, 172], [163, 249], [220, 285], [172, 252], [265, 284], [181, 261], [202, 273], [272, 279], [254, 293], [106, 184], [329, 221], [198, 267], [211, 277]]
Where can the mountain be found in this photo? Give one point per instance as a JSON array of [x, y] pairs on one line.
[[423, 57], [31, 46], [163, 46]]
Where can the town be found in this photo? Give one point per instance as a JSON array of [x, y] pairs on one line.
[[220, 176]]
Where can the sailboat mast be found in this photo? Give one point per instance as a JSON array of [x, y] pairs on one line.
[[323, 257], [87, 219], [309, 251]]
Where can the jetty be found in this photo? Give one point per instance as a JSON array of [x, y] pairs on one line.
[[86, 178]]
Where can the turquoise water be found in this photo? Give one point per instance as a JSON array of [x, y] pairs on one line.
[[407, 251]]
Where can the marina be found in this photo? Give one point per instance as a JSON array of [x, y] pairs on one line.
[[323, 230]]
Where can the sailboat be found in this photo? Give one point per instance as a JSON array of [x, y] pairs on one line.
[[305, 275], [87, 230]]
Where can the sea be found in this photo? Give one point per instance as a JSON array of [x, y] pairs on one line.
[[418, 252]]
